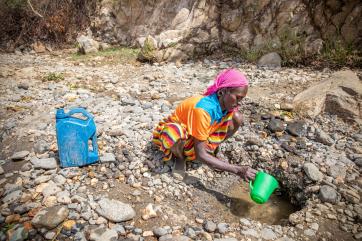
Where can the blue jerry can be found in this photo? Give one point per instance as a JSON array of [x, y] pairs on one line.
[[76, 137]]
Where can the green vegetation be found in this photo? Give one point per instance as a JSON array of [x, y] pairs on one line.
[[15, 4], [109, 55], [290, 48], [53, 76]]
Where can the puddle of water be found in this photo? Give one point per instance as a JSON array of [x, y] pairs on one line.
[[275, 211]]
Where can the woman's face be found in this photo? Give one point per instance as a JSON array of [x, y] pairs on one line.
[[232, 97]]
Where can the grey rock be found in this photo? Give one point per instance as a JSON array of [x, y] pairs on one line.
[[17, 156], [272, 60], [275, 125], [296, 128], [115, 211], [226, 239], [323, 138], [337, 171], [42, 179], [26, 167], [245, 222], [210, 226], [309, 232], [169, 237], [59, 179], [26, 207], [50, 217], [103, 234], [13, 197], [328, 194], [190, 232], [160, 231], [108, 157], [250, 232], [222, 228], [87, 44], [63, 197], [19, 233], [49, 235], [312, 172], [119, 229], [1, 170], [268, 234], [45, 163], [41, 147], [51, 189]]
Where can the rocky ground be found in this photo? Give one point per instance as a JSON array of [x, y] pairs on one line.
[[130, 194]]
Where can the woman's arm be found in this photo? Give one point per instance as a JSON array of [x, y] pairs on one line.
[[201, 154]]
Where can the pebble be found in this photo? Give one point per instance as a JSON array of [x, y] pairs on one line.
[[328, 194], [160, 232], [50, 217], [312, 172], [268, 234], [114, 210], [210, 226], [45, 163], [18, 156], [222, 228]]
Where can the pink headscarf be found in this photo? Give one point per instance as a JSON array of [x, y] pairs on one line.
[[227, 78]]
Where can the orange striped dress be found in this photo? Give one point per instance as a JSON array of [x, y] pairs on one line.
[[200, 117]]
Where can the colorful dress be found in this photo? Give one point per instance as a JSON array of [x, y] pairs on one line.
[[200, 117]]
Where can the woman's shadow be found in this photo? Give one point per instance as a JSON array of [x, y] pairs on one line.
[[237, 206]]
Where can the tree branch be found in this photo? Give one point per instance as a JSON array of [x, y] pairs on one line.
[[34, 11]]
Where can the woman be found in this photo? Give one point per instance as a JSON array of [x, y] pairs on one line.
[[201, 123]]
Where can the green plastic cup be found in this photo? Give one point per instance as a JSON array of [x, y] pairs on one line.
[[263, 186]]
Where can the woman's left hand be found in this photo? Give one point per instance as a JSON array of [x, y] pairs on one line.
[[247, 172]]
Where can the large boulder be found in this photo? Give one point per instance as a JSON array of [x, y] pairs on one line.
[[87, 44], [270, 60], [339, 95]]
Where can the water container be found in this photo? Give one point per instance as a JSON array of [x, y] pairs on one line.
[[76, 137]]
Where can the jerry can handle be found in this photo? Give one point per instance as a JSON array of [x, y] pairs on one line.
[[80, 110], [251, 185]]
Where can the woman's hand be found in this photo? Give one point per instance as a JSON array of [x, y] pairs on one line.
[[246, 172]]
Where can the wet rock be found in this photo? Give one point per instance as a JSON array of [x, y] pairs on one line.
[[268, 234], [276, 125], [271, 60], [210, 226], [312, 172], [323, 138], [50, 217], [115, 211], [18, 156], [45, 163], [328, 194]]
